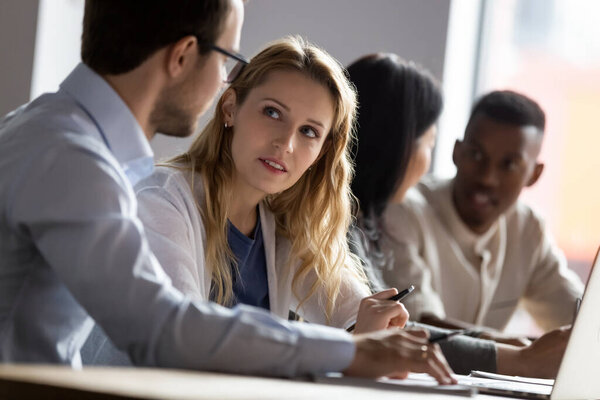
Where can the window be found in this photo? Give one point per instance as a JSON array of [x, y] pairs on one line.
[[549, 50]]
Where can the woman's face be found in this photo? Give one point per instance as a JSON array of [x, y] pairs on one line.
[[419, 163], [278, 131]]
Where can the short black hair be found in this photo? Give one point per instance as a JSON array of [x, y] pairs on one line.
[[398, 102], [506, 106], [119, 35]]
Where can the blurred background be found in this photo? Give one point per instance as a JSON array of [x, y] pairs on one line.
[[547, 49]]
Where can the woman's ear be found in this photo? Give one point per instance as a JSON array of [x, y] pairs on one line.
[[229, 106]]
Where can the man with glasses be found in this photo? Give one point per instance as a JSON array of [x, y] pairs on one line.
[[72, 250], [71, 246]]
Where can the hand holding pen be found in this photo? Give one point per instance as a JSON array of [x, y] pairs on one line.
[[381, 310]]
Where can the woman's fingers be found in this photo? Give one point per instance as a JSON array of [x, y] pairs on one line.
[[375, 314], [384, 294], [401, 318]]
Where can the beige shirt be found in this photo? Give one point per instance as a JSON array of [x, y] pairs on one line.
[[478, 279], [176, 234]]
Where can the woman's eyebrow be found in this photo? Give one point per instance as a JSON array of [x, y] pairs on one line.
[[285, 107], [278, 102], [316, 123]]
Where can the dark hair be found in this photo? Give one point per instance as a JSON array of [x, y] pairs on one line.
[[398, 101], [510, 107], [118, 35]]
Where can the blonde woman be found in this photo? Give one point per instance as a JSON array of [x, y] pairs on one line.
[[257, 210]]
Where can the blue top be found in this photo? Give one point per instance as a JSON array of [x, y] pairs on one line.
[[250, 284]]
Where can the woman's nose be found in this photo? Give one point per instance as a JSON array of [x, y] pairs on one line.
[[284, 140]]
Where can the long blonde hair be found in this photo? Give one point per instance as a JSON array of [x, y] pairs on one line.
[[314, 214]]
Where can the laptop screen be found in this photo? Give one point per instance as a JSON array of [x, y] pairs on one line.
[[579, 373]]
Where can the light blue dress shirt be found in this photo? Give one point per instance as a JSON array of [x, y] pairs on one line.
[[73, 249]]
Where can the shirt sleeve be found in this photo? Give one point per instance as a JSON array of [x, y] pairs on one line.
[[402, 242], [552, 288], [80, 211], [172, 238], [352, 291], [246, 339]]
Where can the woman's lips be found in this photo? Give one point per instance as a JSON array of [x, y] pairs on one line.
[[273, 165]]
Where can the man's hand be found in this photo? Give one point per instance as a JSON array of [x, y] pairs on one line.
[[395, 353], [541, 359]]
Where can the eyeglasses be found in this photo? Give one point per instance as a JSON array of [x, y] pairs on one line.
[[234, 65]]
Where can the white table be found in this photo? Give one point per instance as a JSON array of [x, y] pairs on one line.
[[58, 382]]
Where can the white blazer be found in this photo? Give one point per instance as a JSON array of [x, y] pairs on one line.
[[176, 234]]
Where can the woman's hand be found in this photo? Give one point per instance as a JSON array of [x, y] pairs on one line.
[[378, 312], [395, 353]]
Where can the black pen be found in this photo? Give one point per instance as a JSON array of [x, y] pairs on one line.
[[402, 294], [396, 297]]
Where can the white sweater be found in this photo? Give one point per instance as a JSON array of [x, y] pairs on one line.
[[176, 234]]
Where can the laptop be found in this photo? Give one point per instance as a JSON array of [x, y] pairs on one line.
[[579, 372]]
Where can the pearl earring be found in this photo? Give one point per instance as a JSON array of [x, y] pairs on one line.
[[226, 125]]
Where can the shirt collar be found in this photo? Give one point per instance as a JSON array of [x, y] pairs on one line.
[[116, 123]]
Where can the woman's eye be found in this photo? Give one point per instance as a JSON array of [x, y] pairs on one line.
[[271, 112], [308, 131]]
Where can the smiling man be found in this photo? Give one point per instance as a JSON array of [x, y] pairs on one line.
[[470, 247]]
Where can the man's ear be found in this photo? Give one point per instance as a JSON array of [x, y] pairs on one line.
[[229, 106], [457, 145], [181, 55], [535, 175]]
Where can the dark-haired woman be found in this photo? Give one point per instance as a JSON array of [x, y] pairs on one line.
[[399, 104]]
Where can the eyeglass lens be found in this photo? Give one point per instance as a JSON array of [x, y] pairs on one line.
[[232, 69]]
